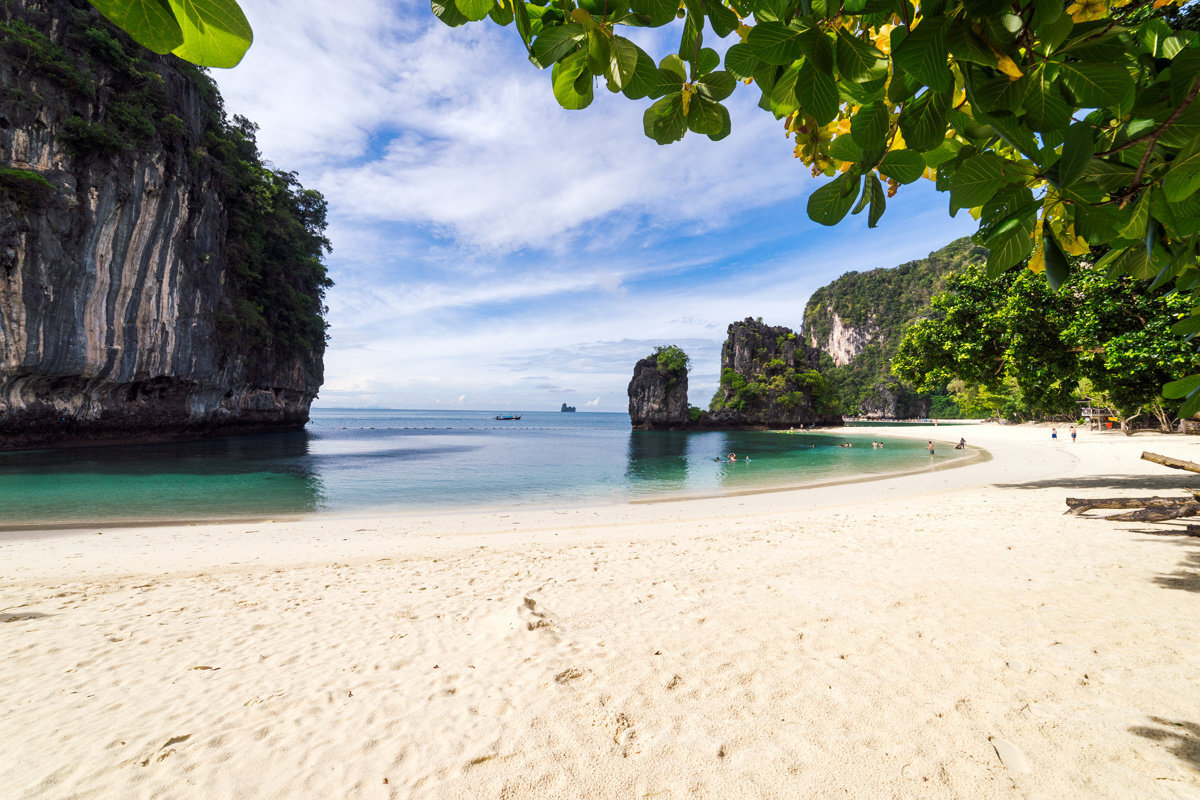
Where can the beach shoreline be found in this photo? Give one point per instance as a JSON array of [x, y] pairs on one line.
[[942, 634]]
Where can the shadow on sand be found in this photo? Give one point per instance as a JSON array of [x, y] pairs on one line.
[[22, 616], [1182, 738], [1179, 483]]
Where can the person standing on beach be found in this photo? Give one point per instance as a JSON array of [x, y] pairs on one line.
[[1054, 434], [931, 451], [1072, 434]]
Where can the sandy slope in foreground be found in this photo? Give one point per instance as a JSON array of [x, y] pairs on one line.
[[945, 635]]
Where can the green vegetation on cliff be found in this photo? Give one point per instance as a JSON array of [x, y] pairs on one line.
[[873, 309], [118, 102]]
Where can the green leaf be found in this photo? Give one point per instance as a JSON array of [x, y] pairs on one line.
[[870, 124], [878, 200], [644, 80], [1189, 409], [977, 180], [665, 122], [554, 43], [674, 63], [829, 204], [1096, 85], [741, 61], [692, 39], [149, 22], [922, 54], [817, 93], [1184, 387], [704, 116], [1057, 267], [707, 61], [501, 14], [964, 45], [1186, 327], [623, 61], [859, 61], [1012, 244], [944, 152], [726, 125], [1135, 228], [724, 21], [923, 121], [843, 148], [1153, 34], [599, 53], [215, 32], [1077, 151], [783, 94], [474, 10], [904, 166], [1045, 107], [1053, 33], [779, 44], [1183, 178], [716, 86], [572, 81], [654, 12]]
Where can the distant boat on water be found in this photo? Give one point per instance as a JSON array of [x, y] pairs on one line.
[[508, 416]]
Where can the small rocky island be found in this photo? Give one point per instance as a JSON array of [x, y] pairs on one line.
[[769, 379], [567, 408]]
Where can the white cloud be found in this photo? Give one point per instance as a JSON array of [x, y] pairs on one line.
[[491, 247]]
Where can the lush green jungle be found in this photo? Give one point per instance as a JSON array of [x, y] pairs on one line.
[[116, 106]]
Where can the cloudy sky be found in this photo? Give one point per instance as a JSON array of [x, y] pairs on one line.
[[493, 251]]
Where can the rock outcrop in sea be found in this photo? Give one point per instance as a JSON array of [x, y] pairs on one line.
[[658, 395], [157, 280], [769, 379]]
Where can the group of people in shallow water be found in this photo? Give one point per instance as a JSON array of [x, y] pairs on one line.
[[962, 443]]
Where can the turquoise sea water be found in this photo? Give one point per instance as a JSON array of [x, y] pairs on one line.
[[372, 460]]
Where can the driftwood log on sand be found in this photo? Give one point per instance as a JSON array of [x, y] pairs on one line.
[[1145, 509]]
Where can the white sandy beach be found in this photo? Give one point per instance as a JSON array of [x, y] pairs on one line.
[[948, 634]]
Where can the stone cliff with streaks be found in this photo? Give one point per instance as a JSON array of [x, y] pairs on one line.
[[122, 316]]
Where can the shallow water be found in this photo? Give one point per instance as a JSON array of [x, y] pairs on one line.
[[375, 460]]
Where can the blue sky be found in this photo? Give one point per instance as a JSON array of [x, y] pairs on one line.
[[493, 251]]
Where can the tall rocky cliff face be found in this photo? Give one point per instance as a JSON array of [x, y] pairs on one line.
[[658, 396], [125, 313], [858, 320], [769, 379]]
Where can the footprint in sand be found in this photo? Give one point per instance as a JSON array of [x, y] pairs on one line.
[[537, 617]]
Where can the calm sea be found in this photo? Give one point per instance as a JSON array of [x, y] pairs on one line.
[[383, 460]]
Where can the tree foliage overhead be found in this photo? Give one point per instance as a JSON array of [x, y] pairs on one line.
[[1059, 126], [211, 33]]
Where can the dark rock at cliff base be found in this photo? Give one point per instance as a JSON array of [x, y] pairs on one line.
[[127, 311], [657, 397]]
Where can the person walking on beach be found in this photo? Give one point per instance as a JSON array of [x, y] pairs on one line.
[[1054, 435], [1072, 434]]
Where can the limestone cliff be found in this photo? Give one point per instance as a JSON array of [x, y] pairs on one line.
[[658, 394], [143, 292], [769, 379], [858, 320]]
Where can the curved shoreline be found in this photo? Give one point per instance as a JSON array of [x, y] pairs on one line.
[[597, 500]]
